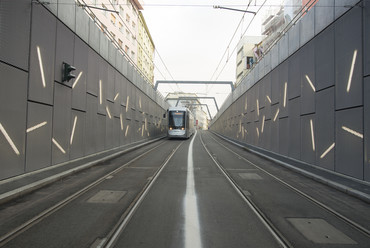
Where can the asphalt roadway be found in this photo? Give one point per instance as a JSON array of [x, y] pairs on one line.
[[189, 202]]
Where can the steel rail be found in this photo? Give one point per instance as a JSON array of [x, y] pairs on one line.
[[36, 219], [340, 216], [282, 241], [115, 233]]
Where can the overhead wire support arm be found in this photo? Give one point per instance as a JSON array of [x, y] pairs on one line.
[[93, 7], [240, 10]]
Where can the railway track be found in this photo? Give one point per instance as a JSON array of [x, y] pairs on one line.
[[283, 241], [9, 236]]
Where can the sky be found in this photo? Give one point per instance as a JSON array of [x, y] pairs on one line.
[[191, 38]]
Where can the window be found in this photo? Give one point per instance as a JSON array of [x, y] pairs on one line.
[[127, 18], [127, 49], [120, 43], [113, 35], [127, 34], [132, 55], [120, 27], [113, 19], [133, 24], [105, 12], [121, 11]]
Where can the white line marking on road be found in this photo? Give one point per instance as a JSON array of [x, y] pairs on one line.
[[192, 229]]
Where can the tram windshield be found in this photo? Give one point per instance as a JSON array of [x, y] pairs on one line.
[[176, 119]]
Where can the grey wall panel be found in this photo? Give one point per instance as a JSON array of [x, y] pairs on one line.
[[94, 36], [64, 51], [308, 85], [307, 27], [53, 6], [283, 88], [294, 80], [103, 86], [274, 133], [101, 133], [325, 129], [93, 73], [324, 14], [118, 98], [349, 147], [124, 66], [284, 133], [262, 93], [294, 39], [15, 32], [67, 13], [267, 97], [123, 82], [112, 52], [130, 72], [109, 128], [91, 124], [367, 128], [267, 59], [128, 101], [308, 139], [295, 128], [324, 59], [348, 60], [13, 92], [61, 123], [341, 6], [366, 32], [42, 55], [116, 131], [82, 24], [39, 133], [119, 58], [283, 48], [110, 83], [104, 45], [275, 86], [79, 83], [77, 140], [274, 56]]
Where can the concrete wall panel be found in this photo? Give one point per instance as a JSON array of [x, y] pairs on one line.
[[283, 88], [366, 32], [15, 32], [67, 13], [64, 52], [308, 81], [294, 79], [13, 107], [61, 123], [42, 56], [349, 146], [110, 84], [341, 6], [324, 14], [39, 140], [82, 24], [93, 73], [348, 60], [112, 52], [274, 56], [294, 39], [94, 36], [367, 129], [283, 48], [284, 136], [324, 59], [295, 128], [109, 127], [77, 140], [103, 86], [307, 27], [79, 83], [101, 133], [91, 124], [325, 128], [104, 46], [274, 134], [275, 86], [308, 139]]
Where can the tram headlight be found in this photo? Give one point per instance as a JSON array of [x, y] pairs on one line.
[[170, 128], [182, 128]]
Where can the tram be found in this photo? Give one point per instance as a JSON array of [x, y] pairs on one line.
[[180, 123]]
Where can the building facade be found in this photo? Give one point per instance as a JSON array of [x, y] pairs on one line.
[[146, 48], [123, 22]]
